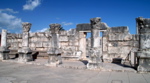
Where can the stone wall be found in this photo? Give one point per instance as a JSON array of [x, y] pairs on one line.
[[118, 43], [40, 41]]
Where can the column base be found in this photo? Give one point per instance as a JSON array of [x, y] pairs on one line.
[[4, 53], [25, 54], [54, 60], [94, 65], [143, 61]]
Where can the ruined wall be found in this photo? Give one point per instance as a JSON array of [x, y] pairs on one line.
[[40, 41], [118, 43], [14, 40]]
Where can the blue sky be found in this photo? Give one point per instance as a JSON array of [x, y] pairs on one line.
[[69, 13]]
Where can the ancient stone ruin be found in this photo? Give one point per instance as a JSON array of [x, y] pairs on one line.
[[54, 50], [25, 52], [106, 44], [4, 48]]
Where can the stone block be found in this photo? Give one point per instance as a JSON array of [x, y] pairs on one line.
[[123, 55], [39, 49], [44, 39], [20, 45], [33, 45], [114, 50], [105, 55], [125, 49], [105, 44], [145, 41], [34, 39], [71, 32], [126, 43], [32, 34], [63, 33], [33, 48], [19, 36], [121, 29], [15, 45], [19, 40], [133, 59], [127, 37], [119, 36], [84, 27], [64, 44], [135, 44], [63, 38], [135, 37], [38, 44], [46, 44]]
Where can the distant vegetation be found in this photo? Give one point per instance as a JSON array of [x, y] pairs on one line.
[[61, 29]]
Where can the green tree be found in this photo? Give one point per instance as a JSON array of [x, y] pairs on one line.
[[62, 29]]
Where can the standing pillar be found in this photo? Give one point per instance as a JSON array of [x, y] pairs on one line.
[[143, 54], [25, 52], [95, 55], [4, 51], [54, 50], [82, 44]]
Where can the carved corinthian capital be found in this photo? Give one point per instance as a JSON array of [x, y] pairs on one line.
[[95, 23], [26, 26], [54, 28]]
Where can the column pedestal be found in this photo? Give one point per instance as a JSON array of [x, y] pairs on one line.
[[25, 54]]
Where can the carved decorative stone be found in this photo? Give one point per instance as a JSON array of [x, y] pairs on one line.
[[25, 52], [4, 51], [54, 28], [26, 26], [143, 54]]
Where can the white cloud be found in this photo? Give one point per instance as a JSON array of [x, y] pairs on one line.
[[8, 10], [9, 21], [67, 23], [42, 30], [31, 4]]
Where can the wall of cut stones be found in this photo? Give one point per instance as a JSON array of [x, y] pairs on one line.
[[118, 43], [40, 41]]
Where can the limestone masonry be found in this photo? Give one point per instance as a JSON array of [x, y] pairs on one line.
[[115, 43]]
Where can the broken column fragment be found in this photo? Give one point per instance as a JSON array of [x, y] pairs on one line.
[[54, 50], [25, 52], [143, 54], [95, 55], [4, 51]]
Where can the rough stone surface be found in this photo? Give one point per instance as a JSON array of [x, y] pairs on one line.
[[143, 54]]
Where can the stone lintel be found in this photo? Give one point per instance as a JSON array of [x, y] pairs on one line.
[[119, 29]]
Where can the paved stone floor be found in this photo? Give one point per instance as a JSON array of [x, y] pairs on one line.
[[29, 73]]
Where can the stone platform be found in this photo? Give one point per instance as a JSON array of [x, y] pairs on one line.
[[26, 73], [78, 65]]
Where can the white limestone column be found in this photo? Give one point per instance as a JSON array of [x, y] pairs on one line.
[[4, 38]]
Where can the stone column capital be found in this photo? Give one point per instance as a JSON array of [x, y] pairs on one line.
[[55, 28], [26, 26], [95, 23]]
